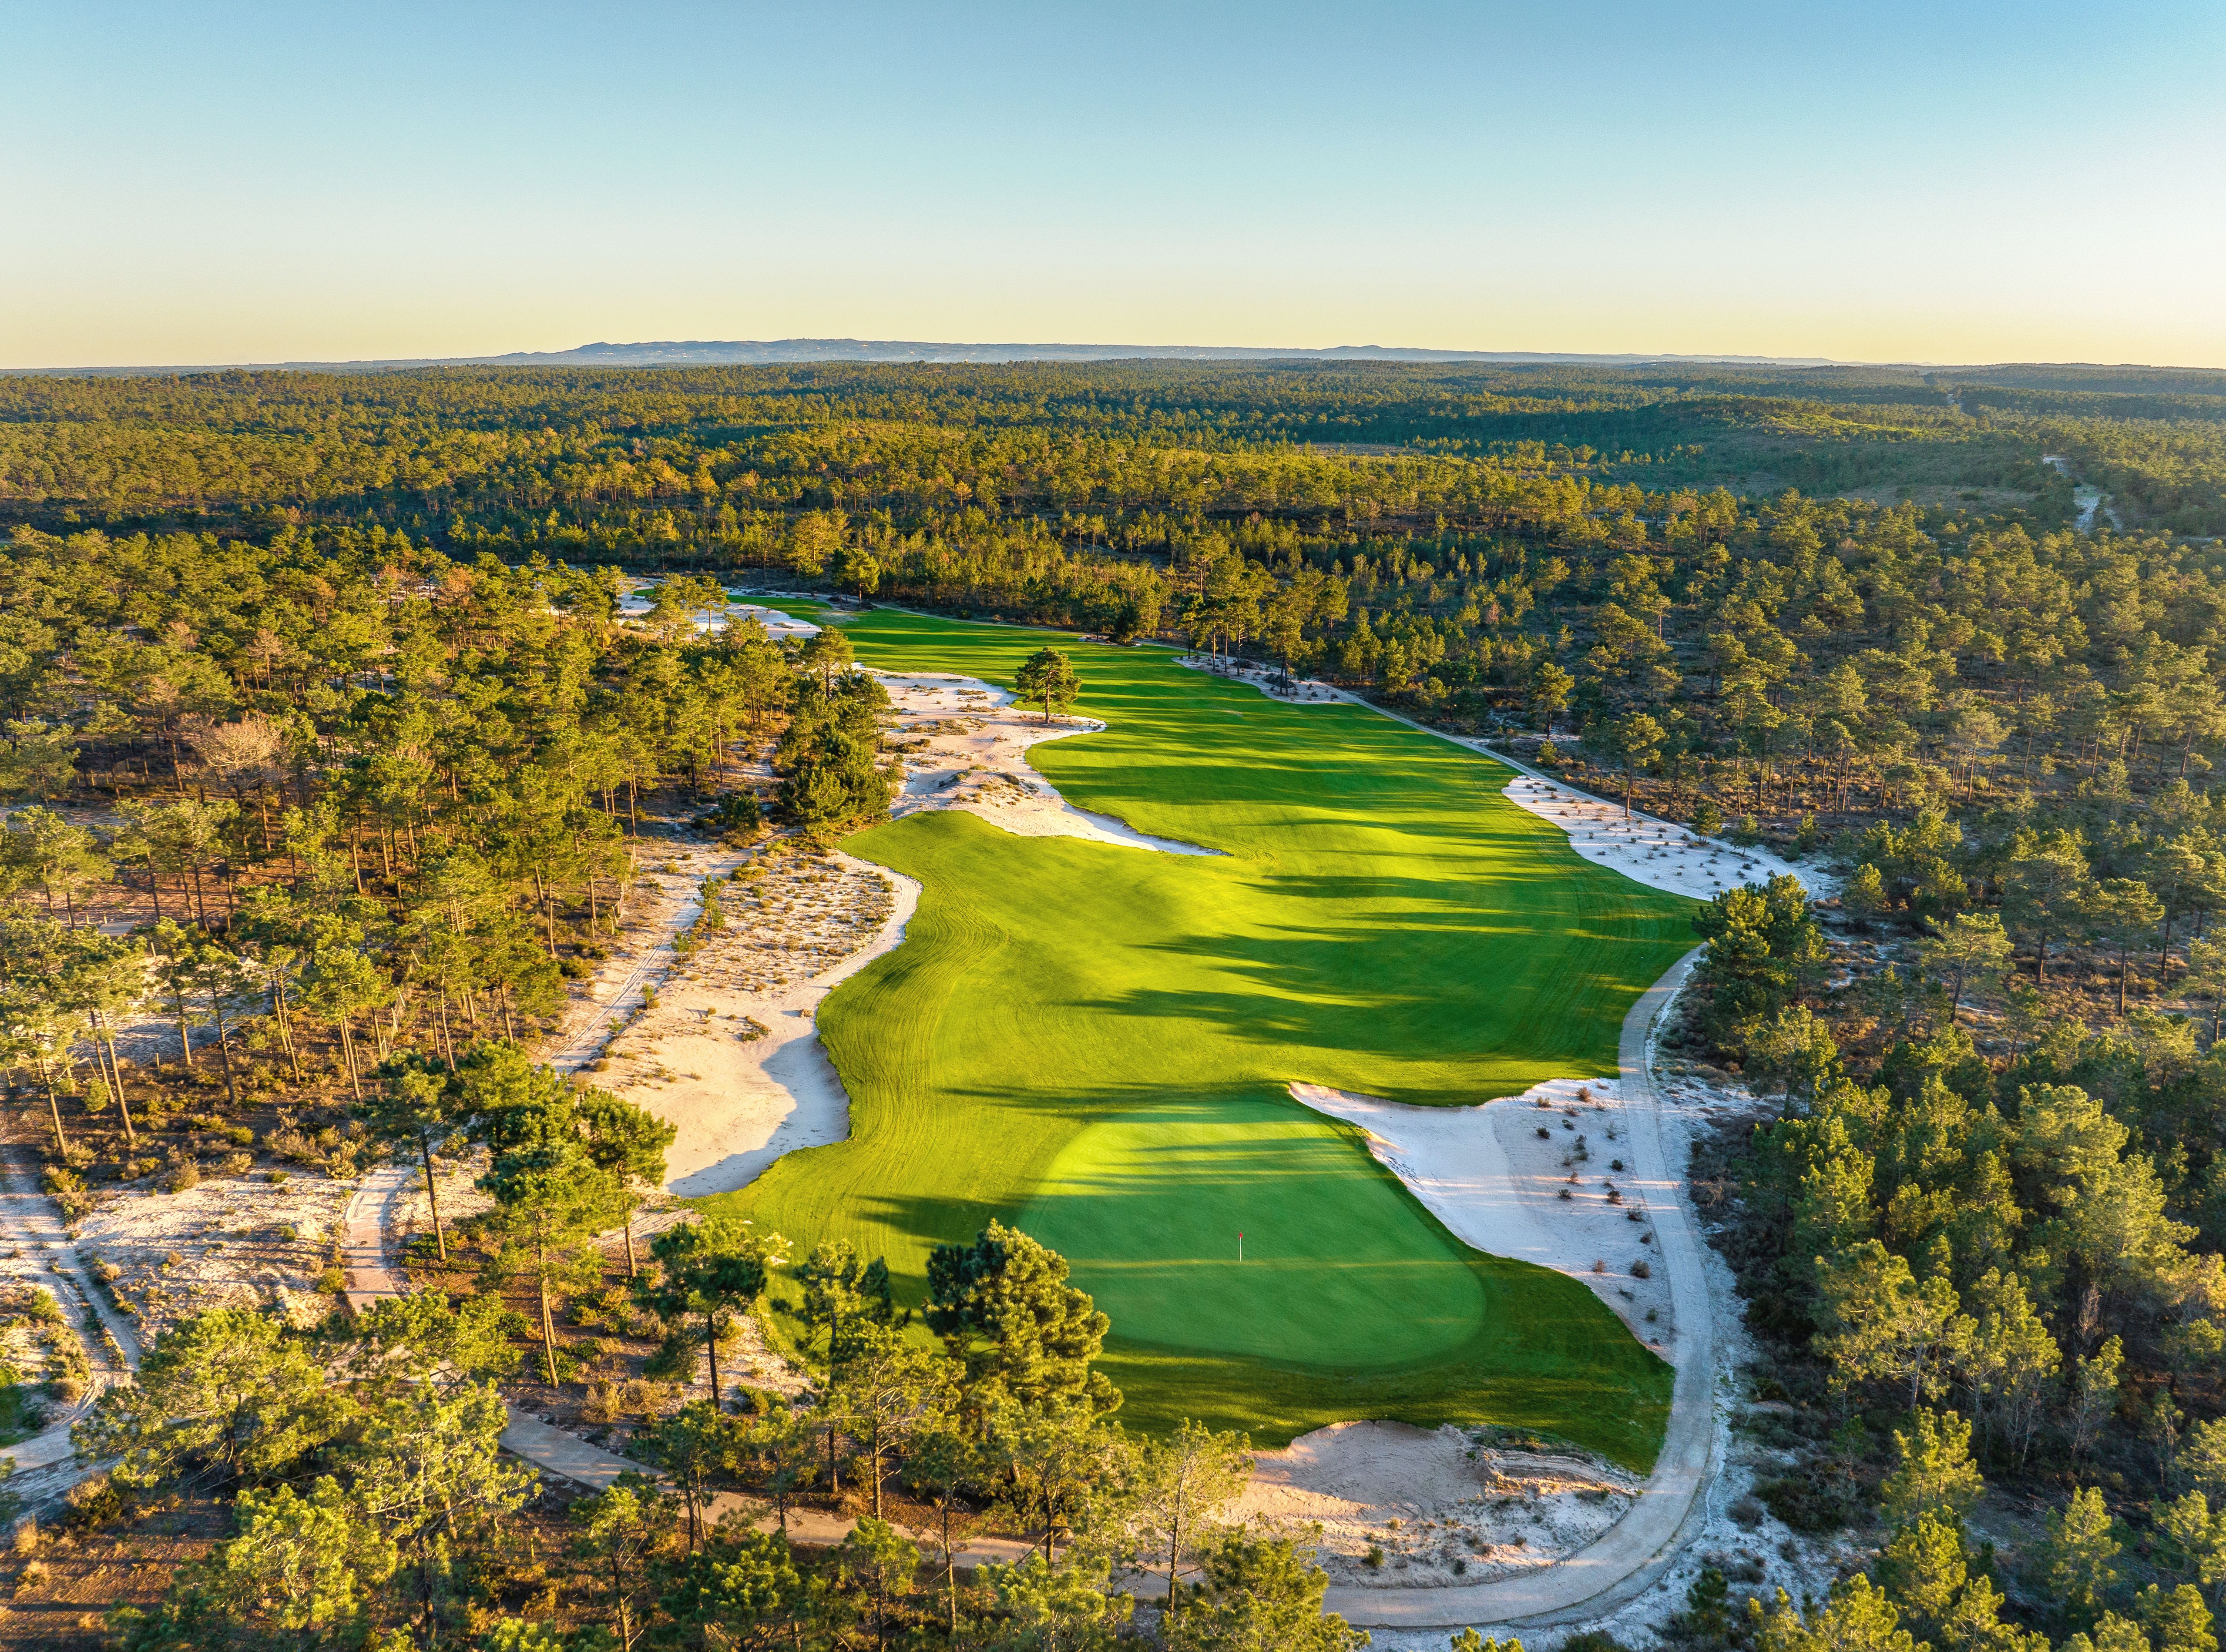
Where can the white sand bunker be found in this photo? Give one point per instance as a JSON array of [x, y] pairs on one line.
[[778, 625], [730, 1052], [1546, 1177], [638, 599], [1659, 854], [1403, 1507], [965, 747]]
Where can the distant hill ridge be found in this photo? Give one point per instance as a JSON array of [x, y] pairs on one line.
[[754, 351], [699, 352]]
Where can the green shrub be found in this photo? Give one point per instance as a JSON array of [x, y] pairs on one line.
[[675, 1360], [1805, 1502], [92, 1503], [69, 1190], [595, 1308]]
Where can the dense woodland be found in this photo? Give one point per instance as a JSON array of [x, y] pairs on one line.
[[318, 684], [378, 1510]]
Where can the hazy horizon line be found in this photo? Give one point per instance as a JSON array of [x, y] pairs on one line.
[[892, 351]]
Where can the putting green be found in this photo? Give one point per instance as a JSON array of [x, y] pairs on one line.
[[1149, 1207], [1094, 1041]]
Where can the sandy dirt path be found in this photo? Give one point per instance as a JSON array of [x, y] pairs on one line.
[[667, 898], [46, 1464]]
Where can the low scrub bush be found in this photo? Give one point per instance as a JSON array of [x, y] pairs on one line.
[[91, 1504], [675, 1359], [1805, 1503], [69, 1191], [290, 1143]]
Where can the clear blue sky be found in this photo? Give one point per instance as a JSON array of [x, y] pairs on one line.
[[1948, 181]]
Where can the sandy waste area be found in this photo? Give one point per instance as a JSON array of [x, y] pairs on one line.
[[635, 604], [1659, 854], [965, 745], [233, 1240], [730, 1052], [1301, 691], [1404, 1508]]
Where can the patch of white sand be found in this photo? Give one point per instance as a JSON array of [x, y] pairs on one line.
[[231, 1241], [636, 602], [1499, 1184], [730, 1053], [1659, 854], [965, 745], [1437, 1506], [665, 897], [777, 623]]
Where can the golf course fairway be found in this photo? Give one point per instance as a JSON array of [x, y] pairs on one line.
[[1093, 1042]]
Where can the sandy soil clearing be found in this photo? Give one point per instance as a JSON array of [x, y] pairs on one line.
[[233, 1240], [1435, 1507], [965, 745], [1538, 1176]]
